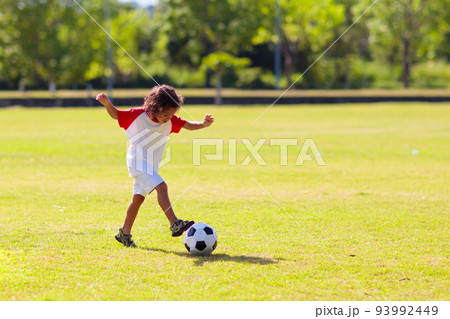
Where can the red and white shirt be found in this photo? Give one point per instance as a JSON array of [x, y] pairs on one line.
[[148, 138]]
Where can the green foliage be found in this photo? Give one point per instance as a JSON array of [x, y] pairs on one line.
[[405, 32], [422, 21], [128, 28], [255, 78], [307, 26], [186, 77], [431, 75], [196, 29], [222, 63], [383, 76], [344, 73], [310, 22], [56, 41], [13, 66], [219, 61]]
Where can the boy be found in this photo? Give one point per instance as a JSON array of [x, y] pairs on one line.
[[148, 128]]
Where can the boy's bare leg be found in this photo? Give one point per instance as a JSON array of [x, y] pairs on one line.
[[132, 211], [164, 202]]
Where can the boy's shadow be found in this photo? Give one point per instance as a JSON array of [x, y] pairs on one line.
[[200, 260]]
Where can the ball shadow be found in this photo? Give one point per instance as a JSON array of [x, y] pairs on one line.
[[200, 260]]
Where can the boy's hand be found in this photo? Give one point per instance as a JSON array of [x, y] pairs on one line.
[[112, 111], [199, 125], [102, 98], [209, 119]]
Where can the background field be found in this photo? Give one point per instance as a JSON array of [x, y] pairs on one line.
[[227, 92], [371, 224]]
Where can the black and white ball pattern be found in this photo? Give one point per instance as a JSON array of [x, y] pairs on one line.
[[200, 239]]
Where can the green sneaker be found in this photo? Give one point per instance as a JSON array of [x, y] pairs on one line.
[[180, 226], [125, 239]]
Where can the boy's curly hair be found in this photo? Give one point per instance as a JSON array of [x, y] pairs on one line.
[[162, 98]]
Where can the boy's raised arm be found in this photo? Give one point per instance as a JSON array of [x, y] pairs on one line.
[[208, 120], [112, 111]]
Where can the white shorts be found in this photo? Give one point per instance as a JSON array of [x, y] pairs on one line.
[[144, 184]]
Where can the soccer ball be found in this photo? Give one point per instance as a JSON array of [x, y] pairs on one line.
[[200, 239]]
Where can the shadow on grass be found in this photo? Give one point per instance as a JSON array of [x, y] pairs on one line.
[[200, 260]]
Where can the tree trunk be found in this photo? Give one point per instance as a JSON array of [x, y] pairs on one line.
[[408, 36], [208, 77], [52, 87], [218, 98], [290, 50], [206, 43], [406, 63], [288, 68], [22, 85], [348, 71]]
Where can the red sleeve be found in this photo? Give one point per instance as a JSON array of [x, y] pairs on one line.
[[177, 123], [125, 118]]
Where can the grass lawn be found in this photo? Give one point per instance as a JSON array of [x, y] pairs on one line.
[[372, 224]]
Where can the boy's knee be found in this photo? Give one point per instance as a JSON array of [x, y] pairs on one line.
[[161, 187], [138, 199]]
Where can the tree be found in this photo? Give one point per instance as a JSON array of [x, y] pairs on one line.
[[307, 26], [55, 41], [218, 62], [406, 31], [350, 49], [38, 27], [128, 29], [13, 68], [198, 28], [51, 41]]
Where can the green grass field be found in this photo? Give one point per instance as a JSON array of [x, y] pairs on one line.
[[372, 224]]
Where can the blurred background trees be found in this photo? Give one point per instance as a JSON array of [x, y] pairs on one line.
[[196, 43]]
